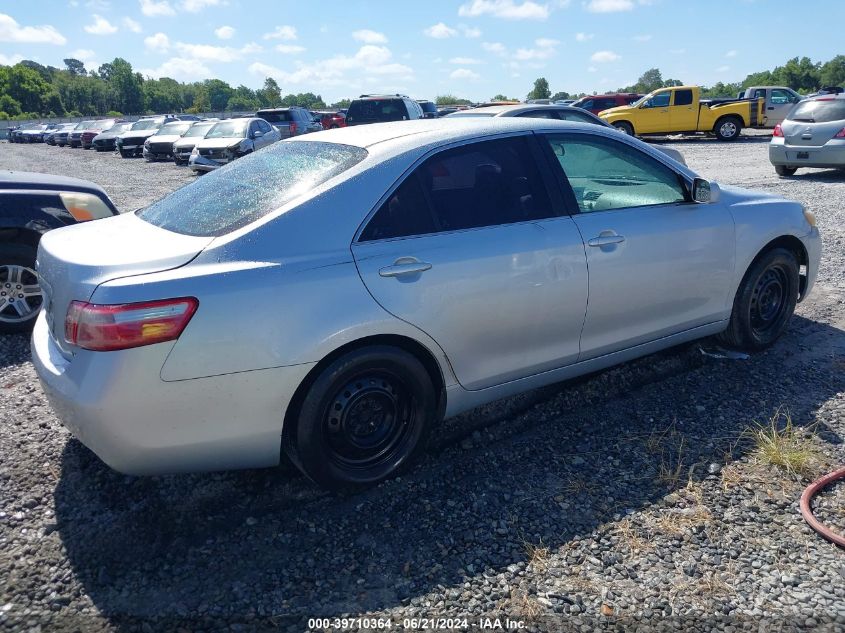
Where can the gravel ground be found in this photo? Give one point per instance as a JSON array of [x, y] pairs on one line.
[[633, 497]]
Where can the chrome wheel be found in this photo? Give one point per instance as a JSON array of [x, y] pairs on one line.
[[728, 129], [20, 294]]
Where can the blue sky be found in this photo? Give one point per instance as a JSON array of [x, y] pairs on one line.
[[470, 48]]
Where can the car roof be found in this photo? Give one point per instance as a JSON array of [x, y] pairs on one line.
[[401, 136], [498, 110], [37, 181]]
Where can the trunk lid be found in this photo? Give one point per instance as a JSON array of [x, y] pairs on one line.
[[808, 134], [74, 260]]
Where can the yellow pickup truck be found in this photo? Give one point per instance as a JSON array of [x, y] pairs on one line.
[[681, 109]]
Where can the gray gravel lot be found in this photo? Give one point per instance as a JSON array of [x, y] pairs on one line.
[[633, 496]]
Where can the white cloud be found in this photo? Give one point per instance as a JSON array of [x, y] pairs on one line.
[[583, 37], [465, 61], [544, 49], [101, 26], [11, 31], [723, 69], [158, 43], [284, 32], [374, 63], [642, 38], [83, 54], [470, 32], [153, 8], [180, 69], [290, 49], [506, 9], [609, 6], [730, 54], [10, 60], [370, 37], [195, 6], [464, 73], [225, 32], [601, 57], [209, 53], [497, 48], [131, 25], [440, 31]]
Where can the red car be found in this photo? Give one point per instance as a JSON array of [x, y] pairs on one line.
[[87, 136], [331, 120], [598, 103]]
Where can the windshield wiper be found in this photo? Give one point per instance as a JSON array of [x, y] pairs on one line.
[[805, 120]]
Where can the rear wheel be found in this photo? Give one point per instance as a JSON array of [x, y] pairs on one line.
[[728, 128], [764, 302], [20, 293], [783, 170], [624, 127], [366, 415]]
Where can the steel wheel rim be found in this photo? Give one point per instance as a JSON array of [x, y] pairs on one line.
[[20, 293], [728, 128], [769, 300], [368, 420]]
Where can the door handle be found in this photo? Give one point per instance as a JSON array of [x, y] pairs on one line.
[[604, 240], [404, 266], [665, 110], [771, 107]]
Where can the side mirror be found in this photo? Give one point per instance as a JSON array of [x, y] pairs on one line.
[[704, 191], [257, 134]]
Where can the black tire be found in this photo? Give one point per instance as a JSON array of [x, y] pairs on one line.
[[365, 416], [124, 154], [728, 128], [624, 127], [15, 256], [765, 301], [783, 170]]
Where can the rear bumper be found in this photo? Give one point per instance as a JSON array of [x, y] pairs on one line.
[[829, 155], [117, 405]]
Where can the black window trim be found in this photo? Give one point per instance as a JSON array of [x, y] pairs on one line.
[[568, 193], [546, 177]]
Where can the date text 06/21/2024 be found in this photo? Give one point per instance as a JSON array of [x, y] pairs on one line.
[[416, 624]]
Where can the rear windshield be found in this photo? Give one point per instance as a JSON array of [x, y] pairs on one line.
[[146, 124], [427, 106], [284, 116], [370, 110], [251, 187], [822, 111]]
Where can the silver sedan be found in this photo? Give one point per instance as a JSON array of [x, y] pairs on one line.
[[812, 135], [335, 296]]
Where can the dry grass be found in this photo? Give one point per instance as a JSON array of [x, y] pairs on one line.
[[780, 444], [538, 554], [523, 605], [632, 536]]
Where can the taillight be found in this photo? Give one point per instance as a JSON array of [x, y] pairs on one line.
[[292, 128], [105, 328], [778, 131], [840, 133]]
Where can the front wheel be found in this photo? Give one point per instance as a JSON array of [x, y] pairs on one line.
[[728, 129], [783, 170], [624, 127], [764, 302], [366, 415], [20, 293]]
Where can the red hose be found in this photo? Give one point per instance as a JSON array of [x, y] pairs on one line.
[[807, 511]]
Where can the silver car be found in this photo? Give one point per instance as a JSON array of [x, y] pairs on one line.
[[812, 135], [184, 145], [160, 145], [336, 295], [231, 139]]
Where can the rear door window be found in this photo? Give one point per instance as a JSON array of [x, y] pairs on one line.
[[683, 97], [481, 184], [283, 116], [251, 187], [376, 110]]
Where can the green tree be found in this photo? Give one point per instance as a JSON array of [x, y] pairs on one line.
[[541, 89], [448, 99], [9, 106], [270, 95], [648, 81], [798, 74], [218, 94], [343, 103], [832, 73], [127, 86], [74, 66], [27, 87], [501, 97]]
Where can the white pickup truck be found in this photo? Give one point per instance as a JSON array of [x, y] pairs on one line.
[[779, 101]]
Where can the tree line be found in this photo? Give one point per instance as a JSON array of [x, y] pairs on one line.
[[30, 90]]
